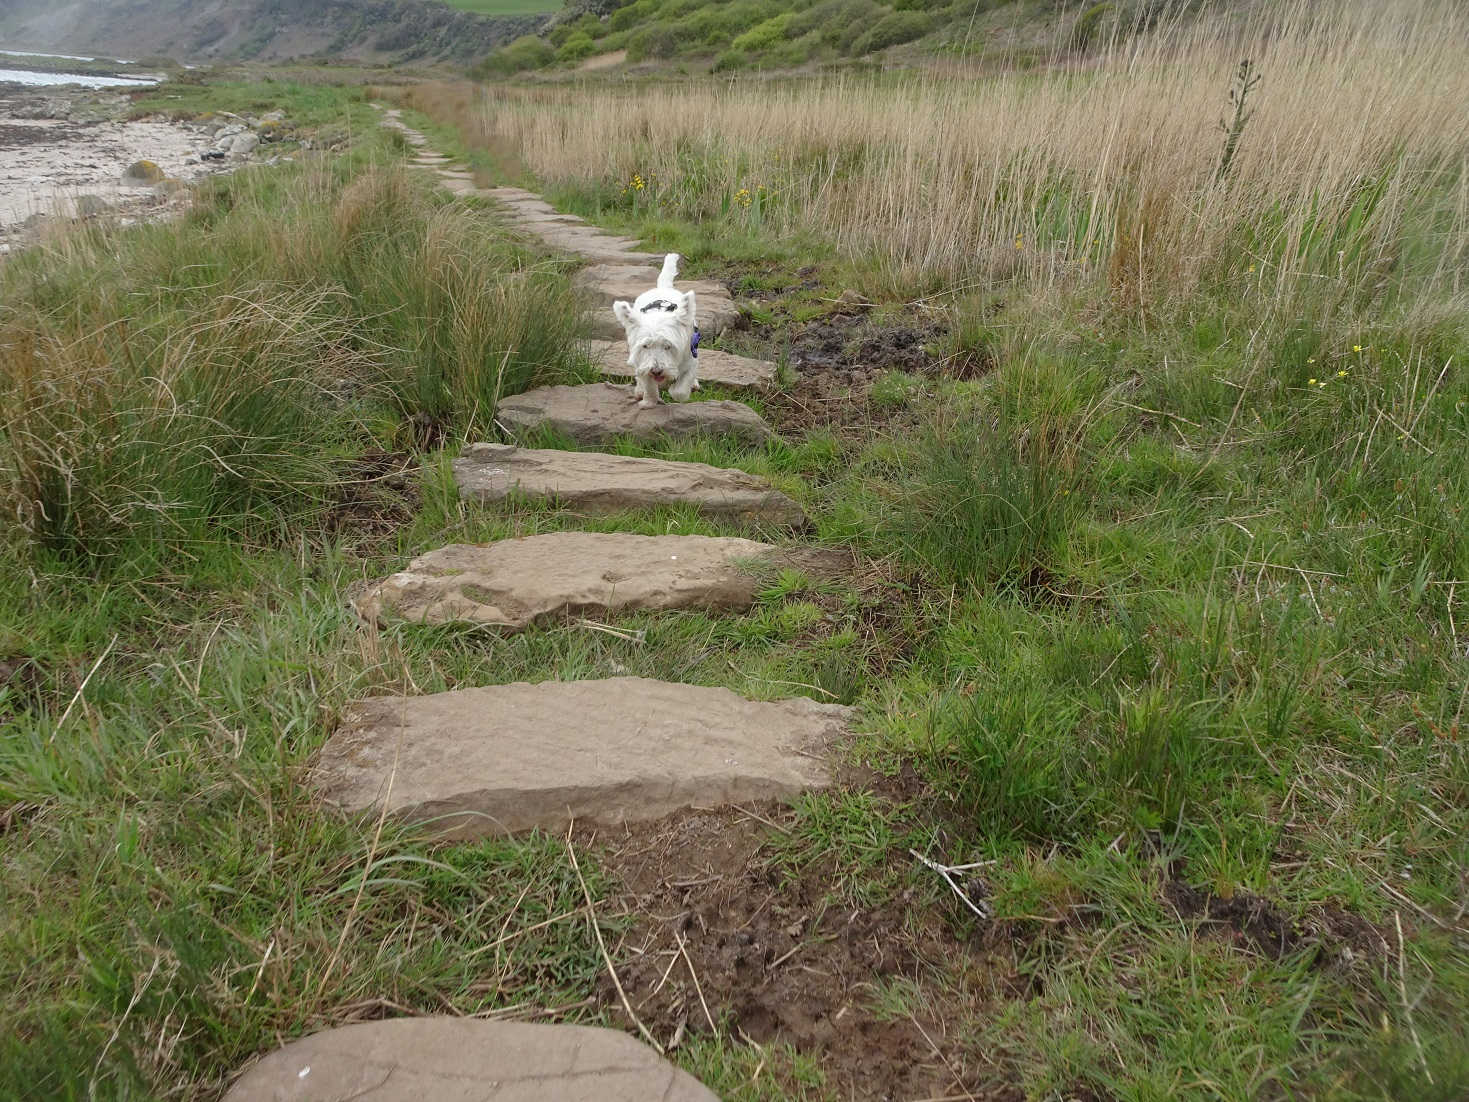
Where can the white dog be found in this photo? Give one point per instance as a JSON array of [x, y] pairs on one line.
[[662, 339]]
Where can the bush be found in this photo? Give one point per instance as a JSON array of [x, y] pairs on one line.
[[576, 47], [766, 34], [526, 52], [625, 19], [656, 40], [731, 60], [793, 52], [837, 23], [893, 30]]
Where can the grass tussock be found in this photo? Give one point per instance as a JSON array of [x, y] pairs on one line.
[[1101, 178], [214, 372]]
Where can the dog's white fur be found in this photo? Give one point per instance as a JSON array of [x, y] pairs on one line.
[[660, 333]]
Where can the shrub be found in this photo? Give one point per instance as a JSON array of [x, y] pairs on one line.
[[625, 19], [656, 40], [576, 47], [766, 34], [793, 52], [526, 52], [731, 60], [838, 23], [893, 30]]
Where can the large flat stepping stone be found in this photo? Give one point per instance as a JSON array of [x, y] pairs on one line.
[[714, 366], [510, 584], [443, 1059], [588, 243], [508, 758], [457, 185], [601, 483], [607, 283], [598, 413], [565, 232]]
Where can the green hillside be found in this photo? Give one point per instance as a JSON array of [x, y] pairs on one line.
[[725, 35]]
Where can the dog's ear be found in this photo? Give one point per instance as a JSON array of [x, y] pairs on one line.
[[624, 313], [688, 305]]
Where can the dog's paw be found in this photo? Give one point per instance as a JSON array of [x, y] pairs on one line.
[[645, 404]]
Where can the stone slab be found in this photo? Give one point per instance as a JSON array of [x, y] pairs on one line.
[[524, 206], [511, 193], [508, 758], [595, 482], [550, 218], [590, 244], [566, 233], [714, 366], [513, 583], [443, 1059], [607, 283], [456, 185], [598, 413]]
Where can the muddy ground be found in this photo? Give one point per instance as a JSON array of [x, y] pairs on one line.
[[728, 930]]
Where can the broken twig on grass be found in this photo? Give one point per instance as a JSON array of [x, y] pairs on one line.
[[683, 947], [602, 945], [947, 872], [638, 636]]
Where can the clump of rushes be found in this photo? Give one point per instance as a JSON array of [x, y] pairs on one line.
[[323, 312]]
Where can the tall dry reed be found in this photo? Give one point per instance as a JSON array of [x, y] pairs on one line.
[[1102, 173]]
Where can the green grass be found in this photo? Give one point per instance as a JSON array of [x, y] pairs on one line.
[[1141, 610]]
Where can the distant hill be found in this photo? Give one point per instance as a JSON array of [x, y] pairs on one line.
[[195, 30]]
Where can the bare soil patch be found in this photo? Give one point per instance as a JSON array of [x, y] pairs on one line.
[[375, 497], [1257, 923], [722, 932]]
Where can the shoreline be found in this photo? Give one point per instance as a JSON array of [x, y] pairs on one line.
[[64, 153]]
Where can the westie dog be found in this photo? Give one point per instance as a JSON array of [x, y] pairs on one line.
[[662, 340]]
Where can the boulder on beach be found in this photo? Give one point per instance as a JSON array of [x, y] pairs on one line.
[[143, 174]]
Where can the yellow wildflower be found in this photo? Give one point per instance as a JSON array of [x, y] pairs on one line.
[[1341, 374], [1310, 382]]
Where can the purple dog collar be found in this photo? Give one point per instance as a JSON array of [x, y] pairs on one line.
[[694, 344]]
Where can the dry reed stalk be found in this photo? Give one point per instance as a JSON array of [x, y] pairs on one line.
[[1048, 176]]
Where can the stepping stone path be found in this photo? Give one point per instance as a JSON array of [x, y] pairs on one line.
[[442, 1059], [714, 366], [513, 583], [566, 233], [595, 482], [506, 758], [599, 413]]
